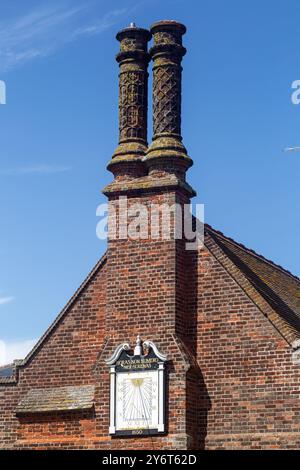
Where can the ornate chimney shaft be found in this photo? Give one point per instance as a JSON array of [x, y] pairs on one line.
[[133, 60], [164, 164], [167, 53]]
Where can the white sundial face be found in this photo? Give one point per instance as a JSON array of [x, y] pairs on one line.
[[137, 400]]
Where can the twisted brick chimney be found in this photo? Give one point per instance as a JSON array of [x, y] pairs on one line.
[[167, 151], [165, 162], [133, 60]]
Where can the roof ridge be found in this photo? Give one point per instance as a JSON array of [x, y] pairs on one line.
[[252, 252]]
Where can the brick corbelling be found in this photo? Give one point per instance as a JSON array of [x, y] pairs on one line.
[[141, 185]]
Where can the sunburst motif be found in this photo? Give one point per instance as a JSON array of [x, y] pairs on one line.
[[137, 382], [137, 400]]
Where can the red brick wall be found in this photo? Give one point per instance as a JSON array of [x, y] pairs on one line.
[[232, 383], [251, 390]]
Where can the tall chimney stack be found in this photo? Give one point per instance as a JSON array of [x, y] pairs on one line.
[[167, 150], [133, 60], [148, 267]]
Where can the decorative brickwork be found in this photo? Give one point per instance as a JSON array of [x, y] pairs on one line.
[[133, 60], [132, 103], [167, 84], [167, 53]]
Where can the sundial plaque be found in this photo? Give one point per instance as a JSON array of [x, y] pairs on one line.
[[137, 390]]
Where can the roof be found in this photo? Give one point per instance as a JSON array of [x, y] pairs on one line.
[[44, 400], [277, 286], [6, 371]]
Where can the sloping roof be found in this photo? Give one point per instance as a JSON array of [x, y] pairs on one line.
[[6, 371], [278, 287], [57, 399]]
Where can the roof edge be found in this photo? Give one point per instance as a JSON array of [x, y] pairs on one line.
[[252, 252], [238, 276]]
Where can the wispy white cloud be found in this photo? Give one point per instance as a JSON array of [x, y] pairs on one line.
[[99, 25], [6, 300], [9, 351], [31, 170], [42, 31]]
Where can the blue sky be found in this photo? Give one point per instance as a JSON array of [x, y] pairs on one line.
[[59, 129]]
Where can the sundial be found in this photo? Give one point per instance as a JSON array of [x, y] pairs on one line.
[[137, 390]]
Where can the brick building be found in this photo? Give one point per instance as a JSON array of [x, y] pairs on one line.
[[220, 325]]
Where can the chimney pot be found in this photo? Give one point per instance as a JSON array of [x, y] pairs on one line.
[[167, 150], [133, 60]]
